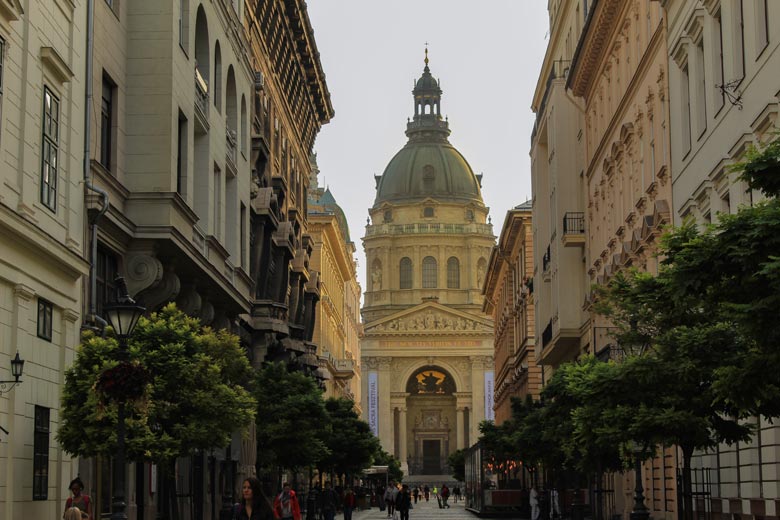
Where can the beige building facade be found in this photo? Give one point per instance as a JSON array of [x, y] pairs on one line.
[[508, 293], [724, 57], [427, 365], [42, 59], [559, 202], [337, 329]]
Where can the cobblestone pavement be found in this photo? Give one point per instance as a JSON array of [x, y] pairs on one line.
[[422, 511]]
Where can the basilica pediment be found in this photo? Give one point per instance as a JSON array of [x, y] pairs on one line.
[[430, 318]]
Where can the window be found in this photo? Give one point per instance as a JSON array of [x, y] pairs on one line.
[[739, 40], [405, 273], [184, 25], [701, 91], [429, 272], [105, 274], [217, 203], [217, 78], [106, 122], [428, 212], [718, 69], [41, 454], [388, 216], [762, 25], [685, 98], [181, 156], [242, 239], [51, 142], [44, 319], [453, 273]]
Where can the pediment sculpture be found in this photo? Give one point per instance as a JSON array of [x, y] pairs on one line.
[[431, 321]]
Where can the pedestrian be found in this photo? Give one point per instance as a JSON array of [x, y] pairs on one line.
[[349, 503], [254, 505], [79, 500], [416, 493], [72, 513], [286, 506], [435, 492], [404, 502], [555, 506], [329, 500], [445, 494], [456, 493], [533, 500], [427, 492], [389, 500]]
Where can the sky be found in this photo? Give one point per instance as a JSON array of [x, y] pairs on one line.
[[486, 54]]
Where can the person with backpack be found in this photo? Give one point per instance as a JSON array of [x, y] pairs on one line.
[[253, 505], [404, 502], [83, 502]]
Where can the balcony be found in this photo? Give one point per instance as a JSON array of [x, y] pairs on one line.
[[428, 228], [546, 261], [201, 102], [231, 151], [343, 368], [574, 229], [605, 345]]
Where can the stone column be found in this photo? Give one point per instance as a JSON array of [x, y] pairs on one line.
[[460, 432], [402, 447], [477, 395], [385, 411]]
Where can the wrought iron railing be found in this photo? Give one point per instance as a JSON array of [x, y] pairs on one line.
[[574, 223], [201, 94]]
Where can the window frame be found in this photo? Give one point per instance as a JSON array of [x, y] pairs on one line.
[[405, 273], [2, 82], [453, 273], [42, 429], [107, 121], [50, 140], [430, 273], [45, 329], [105, 287]]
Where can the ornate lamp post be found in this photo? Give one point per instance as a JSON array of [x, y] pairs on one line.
[[640, 511], [17, 366], [123, 316]]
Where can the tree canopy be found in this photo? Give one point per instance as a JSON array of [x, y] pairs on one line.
[[193, 397], [349, 439]]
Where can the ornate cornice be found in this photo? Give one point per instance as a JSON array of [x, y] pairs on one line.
[[593, 44]]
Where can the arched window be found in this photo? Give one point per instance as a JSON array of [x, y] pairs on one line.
[[429, 272], [405, 273], [231, 113], [453, 273], [217, 78], [202, 60]]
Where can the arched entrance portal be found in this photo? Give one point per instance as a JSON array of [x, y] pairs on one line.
[[431, 405]]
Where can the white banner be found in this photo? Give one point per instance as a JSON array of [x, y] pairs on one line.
[[373, 403], [490, 415]]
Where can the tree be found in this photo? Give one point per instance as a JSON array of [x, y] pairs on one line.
[[291, 420], [193, 396], [457, 463], [349, 440], [382, 458]]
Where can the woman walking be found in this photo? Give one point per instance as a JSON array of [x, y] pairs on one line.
[[253, 505], [404, 502]]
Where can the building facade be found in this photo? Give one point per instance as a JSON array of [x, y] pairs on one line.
[[723, 62], [508, 293], [337, 328], [620, 72], [427, 365], [557, 164], [42, 262]]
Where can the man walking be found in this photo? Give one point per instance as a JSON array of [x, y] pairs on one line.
[[389, 499], [329, 500], [427, 492], [445, 494], [533, 500], [404, 502]]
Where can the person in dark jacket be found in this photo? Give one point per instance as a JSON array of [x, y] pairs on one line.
[[329, 501], [253, 505], [404, 502]]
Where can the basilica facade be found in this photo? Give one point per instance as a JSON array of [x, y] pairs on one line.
[[427, 349]]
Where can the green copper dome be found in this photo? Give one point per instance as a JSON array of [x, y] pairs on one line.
[[428, 166]]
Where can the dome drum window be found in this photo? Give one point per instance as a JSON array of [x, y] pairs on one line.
[[405, 273], [429, 273], [388, 216], [428, 212]]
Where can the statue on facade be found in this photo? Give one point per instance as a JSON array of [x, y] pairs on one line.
[[376, 279]]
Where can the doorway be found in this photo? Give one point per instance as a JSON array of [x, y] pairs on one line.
[[431, 457]]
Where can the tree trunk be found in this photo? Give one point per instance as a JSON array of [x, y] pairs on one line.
[[687, 498]]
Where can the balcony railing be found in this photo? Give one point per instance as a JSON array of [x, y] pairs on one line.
[[546, 260], [574, 229], [201, 95], [428, 228]]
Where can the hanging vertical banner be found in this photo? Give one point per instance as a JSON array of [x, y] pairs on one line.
[[373, 403], [490, 415]]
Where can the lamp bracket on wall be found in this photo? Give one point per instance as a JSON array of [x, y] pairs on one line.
[[731, 92]]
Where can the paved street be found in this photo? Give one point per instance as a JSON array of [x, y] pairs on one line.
[[422, 511]]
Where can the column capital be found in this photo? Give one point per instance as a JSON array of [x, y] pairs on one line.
[[384, 362], [24, 292]]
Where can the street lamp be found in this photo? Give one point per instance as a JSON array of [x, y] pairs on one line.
[[123, 316], [640, 511], [17, 365]]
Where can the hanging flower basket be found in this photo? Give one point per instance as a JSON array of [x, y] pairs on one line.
[[124, 382]]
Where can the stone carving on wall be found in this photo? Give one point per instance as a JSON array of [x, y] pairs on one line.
[[431, 420], [376, 278], [431, 321]]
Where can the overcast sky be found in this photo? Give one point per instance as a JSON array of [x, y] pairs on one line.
[[487, 55]]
